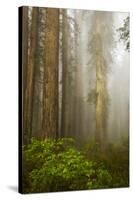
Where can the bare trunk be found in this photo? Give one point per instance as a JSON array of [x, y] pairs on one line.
[[30, 75], [24, 65], [101, 94], [64, 122], [50, 111], [78, 78]]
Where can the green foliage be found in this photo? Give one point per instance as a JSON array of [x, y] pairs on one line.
[[124, 33], [115, 159], [91, 98], [57, 165]]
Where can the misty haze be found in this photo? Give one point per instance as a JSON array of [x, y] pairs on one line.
[[75, 71]]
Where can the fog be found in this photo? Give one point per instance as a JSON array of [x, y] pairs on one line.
[[95, 98], [93, 75], [74, 133]]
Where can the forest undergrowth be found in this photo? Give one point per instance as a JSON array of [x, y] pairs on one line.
[[53, 165]]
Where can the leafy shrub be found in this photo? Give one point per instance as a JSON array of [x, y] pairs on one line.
[[115, 159], [57, 165]]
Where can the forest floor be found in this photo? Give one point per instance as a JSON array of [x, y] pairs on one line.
[[52, 165]]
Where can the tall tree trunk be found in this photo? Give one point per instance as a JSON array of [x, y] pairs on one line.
[[30, 76], [101, 100], [64, 118], [101, 88], [39, 75], [78, 77], [50, 110], [100, 47], [24, 65]]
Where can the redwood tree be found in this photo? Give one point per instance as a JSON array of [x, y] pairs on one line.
[[50, 107]]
